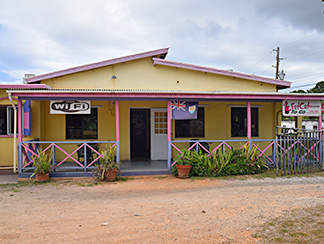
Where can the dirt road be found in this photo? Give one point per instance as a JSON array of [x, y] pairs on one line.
[[150, 210]]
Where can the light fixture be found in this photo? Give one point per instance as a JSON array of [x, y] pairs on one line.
[[113, 77]]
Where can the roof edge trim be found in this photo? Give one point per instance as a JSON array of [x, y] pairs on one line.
[[285, 84], [162, 52], [25, 86]]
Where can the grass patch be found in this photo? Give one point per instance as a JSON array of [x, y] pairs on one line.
[[271, 173], [298, 226]]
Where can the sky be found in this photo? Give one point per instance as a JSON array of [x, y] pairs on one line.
[[38, 36]]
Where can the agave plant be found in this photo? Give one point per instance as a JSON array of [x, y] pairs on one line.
[[106, 163], [220, 162], [42, 162]]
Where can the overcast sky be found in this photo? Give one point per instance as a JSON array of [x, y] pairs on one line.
[[38, 36]]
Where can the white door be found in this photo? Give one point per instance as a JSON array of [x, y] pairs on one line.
[[159, 132]]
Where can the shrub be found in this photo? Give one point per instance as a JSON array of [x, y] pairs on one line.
[[236, 162]]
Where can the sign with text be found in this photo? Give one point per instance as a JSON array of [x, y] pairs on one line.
[[70, 107], [301, 108]]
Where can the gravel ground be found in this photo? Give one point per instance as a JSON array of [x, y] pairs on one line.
[[150, 210]]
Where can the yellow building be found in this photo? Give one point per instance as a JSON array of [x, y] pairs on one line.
[[128, 103]]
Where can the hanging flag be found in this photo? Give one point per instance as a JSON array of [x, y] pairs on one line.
[[184, 110]]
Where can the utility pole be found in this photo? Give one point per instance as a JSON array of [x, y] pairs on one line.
[[277, 61]]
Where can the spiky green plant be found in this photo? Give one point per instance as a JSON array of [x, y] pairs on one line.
[[106, 162], [42, 162]]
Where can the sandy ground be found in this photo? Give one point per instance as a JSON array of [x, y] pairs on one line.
[[150, 210]]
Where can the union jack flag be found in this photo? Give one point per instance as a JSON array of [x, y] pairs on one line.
[[178, 105], [184, 110]]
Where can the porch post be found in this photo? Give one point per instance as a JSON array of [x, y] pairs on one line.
[[20, 135], [320, 122], [320, 138], [117, 132], [249, 122], [169, 135]]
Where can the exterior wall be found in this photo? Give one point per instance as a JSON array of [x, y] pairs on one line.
[[142, 74], [218, 123], [53, 126], [124, 113], [6, 142]]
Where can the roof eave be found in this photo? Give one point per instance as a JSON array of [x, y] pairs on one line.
[[279, 83], [161, 53]]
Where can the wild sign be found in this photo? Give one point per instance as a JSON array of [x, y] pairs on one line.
[[301, 108], [70, 107]]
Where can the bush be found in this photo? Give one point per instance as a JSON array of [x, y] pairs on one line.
[[236, 162]]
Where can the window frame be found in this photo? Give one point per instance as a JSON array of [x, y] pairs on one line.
[[254, 122], [83, 129], [200, 110], [10, 116]]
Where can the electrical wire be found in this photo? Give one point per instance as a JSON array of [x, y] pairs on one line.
[[259, 62], [301, 39], [266, 70]]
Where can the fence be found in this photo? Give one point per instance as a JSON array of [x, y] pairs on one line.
[[265, 147], [298, 150], [76, 156]]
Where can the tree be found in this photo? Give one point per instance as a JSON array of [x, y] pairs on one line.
[[298, 91], [319, 88]]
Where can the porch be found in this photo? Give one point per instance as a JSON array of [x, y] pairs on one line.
[[77, 158], [251, 120]]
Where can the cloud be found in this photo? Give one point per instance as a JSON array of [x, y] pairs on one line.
[[43, 36]]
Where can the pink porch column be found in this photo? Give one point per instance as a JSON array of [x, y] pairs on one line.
[[249, 121], [117, 131], [19, 121], [169, 135], [320, 122]]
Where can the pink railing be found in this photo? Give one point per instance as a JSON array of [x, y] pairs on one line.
[[68, 159], [226, 144]]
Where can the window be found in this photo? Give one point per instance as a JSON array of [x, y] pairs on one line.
[[6, 120], [191, 128], [239, 122], [82, 126], [160, 122]]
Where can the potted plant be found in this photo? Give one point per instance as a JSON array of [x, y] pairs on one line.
[[42, 164], [183, 163], [106, 167]]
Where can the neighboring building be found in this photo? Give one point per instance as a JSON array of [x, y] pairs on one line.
[[130, 108], [307, 124]]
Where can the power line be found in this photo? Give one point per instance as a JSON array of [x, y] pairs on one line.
[[259, 62], [301, 39], [318, 48], [266, 70]]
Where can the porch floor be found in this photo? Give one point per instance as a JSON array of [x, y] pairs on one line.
[[142, 166], [127, 168]]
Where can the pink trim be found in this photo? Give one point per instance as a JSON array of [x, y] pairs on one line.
[[7, 98], [309, 150], [26, 120], [280, 83], [97, 158], [19, 121], [204, 148], [263, 152], [320, 122], [249, 120], [173, 95], [6, 136], [117, 120], [175, 147], [169, 121], [159, 52], [68, 155], [24, 86], [25, 150]]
